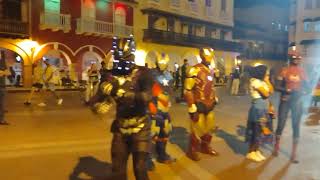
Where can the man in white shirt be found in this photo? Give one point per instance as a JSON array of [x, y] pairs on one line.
[[51, 79]]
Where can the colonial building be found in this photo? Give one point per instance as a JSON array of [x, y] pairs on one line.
[[304, 31], [175, 29], [262, 29], [68, 32]]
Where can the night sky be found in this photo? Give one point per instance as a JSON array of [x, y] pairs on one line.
[[248, 3]]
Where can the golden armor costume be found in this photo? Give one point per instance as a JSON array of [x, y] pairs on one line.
[[201, 99]]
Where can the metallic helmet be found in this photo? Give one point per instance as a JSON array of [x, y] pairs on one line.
[[294, 57], [207, 55], [163, 62]]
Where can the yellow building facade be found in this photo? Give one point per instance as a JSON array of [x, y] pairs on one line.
[[177, 28]]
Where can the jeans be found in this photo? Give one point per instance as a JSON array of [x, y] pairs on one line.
[[293, 103]]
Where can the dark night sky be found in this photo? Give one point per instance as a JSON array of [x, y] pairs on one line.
[[248, 3]]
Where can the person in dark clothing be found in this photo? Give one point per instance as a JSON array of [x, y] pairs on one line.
[[235, 82], [183, 76], [130, 88], [4, 72], [12, 76]]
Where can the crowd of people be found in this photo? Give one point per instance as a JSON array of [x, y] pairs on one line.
[[141, 97]]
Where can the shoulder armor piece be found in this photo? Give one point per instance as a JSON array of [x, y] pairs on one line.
[[193, 71]]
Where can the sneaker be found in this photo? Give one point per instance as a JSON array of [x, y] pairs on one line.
[[253, 156], [60, 101], [42, 104], [259, 155]]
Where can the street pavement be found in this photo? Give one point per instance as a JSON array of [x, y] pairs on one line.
[[70, 142]]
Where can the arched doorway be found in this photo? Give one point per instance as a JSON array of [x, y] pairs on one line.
[[15, 64]]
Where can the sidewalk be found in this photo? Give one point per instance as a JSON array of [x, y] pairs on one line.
[[24, 89]]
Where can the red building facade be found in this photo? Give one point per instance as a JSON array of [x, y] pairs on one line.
[[72, 32]]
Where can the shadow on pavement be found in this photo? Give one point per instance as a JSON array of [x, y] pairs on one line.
[[180, 137], [247, 173], [282, 172], [89, 168], [238, 146]]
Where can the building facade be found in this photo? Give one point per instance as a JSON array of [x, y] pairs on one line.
[[262, 30], [70, 33], [304, 31], [175, 29]]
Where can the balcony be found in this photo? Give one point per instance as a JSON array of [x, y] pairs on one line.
[[251, 54], [209, 12], [13, 28], [262, 35], [55, 21], [122, 30], [89, 26], [173, 38]]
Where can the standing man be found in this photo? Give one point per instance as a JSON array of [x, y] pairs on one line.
[[159, 110], [201, 99], [37, 81], [4, 72], [183, 76], [290, 83], [235, 81], [130, 88], [51, 79]]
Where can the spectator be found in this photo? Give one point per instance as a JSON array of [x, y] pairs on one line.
[[3, 73], [51, 79], [217, 75], [183, 76], [235, 82], [38, 72], [93, 82]]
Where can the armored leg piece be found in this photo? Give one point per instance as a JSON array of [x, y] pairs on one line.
[[205, 145], [193, 148]]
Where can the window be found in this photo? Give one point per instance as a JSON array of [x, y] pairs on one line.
[[223, 5], [193, 5], [317, 26], [223, 35], [279, 26], [286, 28], [308, 4], [307, 26], [318, 3], [175, 3], [52, 6], [8, 12], [88, 9], [208, 3]]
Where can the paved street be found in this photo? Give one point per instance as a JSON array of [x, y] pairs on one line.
[[69, 142]]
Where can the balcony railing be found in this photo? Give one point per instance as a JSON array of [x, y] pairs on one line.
[[252, 34], [209, 12], [173, 38], [14, 28], [89, 26], [251, 54], [93, 27], [122, 30], [55, 21]]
